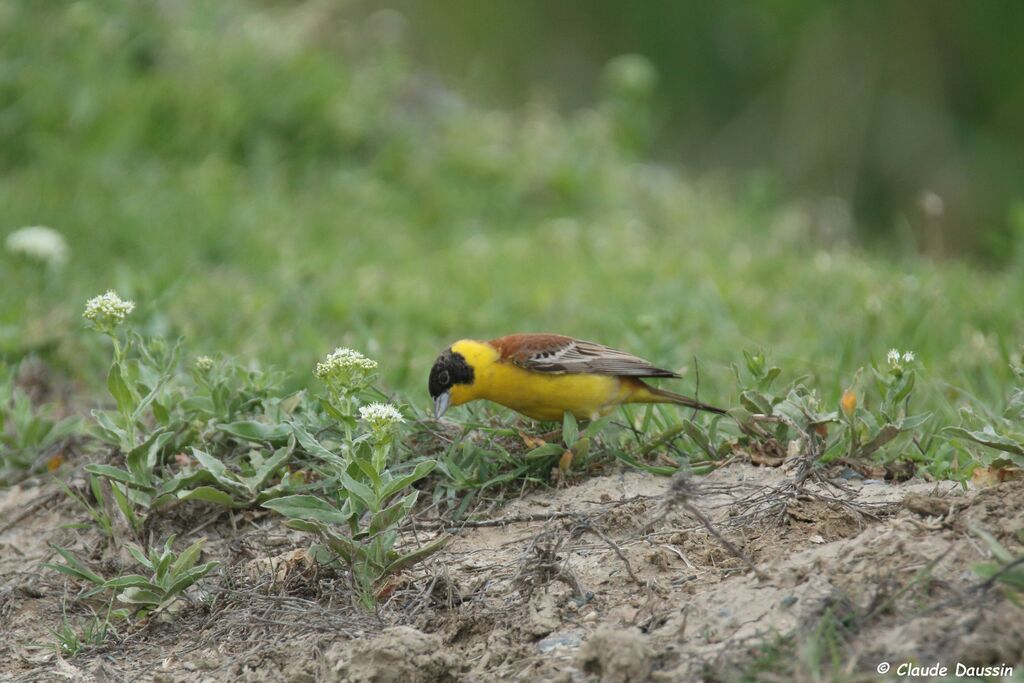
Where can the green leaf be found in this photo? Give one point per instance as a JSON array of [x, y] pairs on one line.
[[74, 567], [321, 554], [904, 385], [756, 402], [165, 376], [545, 451], [161, 414], [367, 468], [131, 581], [191, 576], [249, 430], [769, 377], [188, 558], [452, 469], [652, 469], [137, 496], [65, 427], [197, 404], [570, 429], [395, 485], [743, 417], [887, 434], [209, 494], [111, 431], [95, 485], [596, 427], [223, 476], [269, 466], [988, 437], [119, 390], [163, 562], [393, 514], [361, 491], [415, 556], [581, 448], [998, 551], [120, 475], [332, 412], [695, 432], [794, 408], [139, 596], [755, 363], [142, 460], [125, 507], [290, 403], [314, 448], [913, 422], [186, 480], [303, 525], [342, 546], [140, 556], [304, 507]]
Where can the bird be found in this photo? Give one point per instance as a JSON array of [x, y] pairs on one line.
[[544, 376]]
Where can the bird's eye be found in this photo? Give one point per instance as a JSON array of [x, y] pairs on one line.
[[444, 378]]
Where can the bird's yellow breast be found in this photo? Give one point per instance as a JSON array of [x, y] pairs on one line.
[[539, 395]]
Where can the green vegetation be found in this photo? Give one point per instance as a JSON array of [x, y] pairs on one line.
[[901, 123], [28, 432], [169, 575], [273, 194], [72, 639], [1006, 570]]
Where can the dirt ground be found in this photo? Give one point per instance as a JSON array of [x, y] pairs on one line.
[[610, 579]]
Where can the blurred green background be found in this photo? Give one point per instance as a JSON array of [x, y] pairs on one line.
[[909, 116], [272, 180]]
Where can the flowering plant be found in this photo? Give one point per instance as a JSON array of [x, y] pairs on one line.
[[345, 374], [360, 525], [38, 243]]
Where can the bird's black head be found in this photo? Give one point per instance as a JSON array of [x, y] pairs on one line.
[[449, 369]]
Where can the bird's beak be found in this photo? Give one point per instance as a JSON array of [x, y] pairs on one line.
[[441, 404]]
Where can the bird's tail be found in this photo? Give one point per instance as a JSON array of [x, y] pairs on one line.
[[663, 396]]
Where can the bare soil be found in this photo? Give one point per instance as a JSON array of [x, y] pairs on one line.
[[611, 579]]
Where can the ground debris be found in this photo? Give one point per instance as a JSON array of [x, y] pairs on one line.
[[400, 654], [617, 655], [610, 579]]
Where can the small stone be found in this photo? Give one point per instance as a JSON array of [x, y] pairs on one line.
[[567, 640]]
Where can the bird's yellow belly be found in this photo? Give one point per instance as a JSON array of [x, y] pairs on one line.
[[545, 396]]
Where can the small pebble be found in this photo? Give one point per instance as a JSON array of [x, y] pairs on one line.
[[569, 639]]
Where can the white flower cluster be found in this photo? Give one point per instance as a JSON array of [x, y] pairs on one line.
[[204, 363], [380, 416], [896, 359], [107, 311], [346, 367], [38, 243]]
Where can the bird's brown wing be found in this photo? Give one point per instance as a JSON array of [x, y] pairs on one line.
[[558, 354]]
